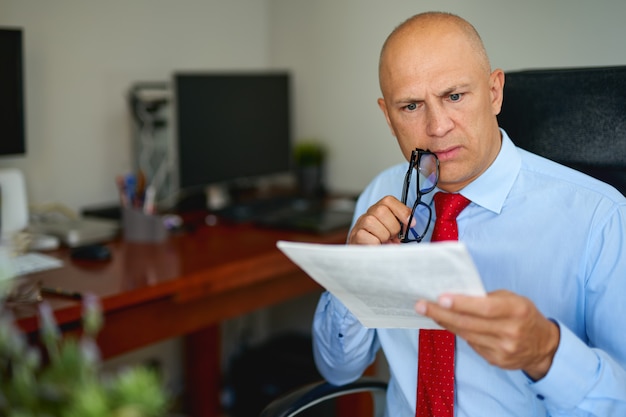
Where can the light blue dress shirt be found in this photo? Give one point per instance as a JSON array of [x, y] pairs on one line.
[[544, 232]]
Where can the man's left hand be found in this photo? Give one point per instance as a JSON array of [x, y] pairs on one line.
[[504, 328]]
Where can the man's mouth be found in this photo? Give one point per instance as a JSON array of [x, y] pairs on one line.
[[447, 153]]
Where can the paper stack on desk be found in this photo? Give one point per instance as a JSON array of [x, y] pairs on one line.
[[381, 284], [77, 231]]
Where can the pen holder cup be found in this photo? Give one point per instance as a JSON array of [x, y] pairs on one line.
[[141, 227]]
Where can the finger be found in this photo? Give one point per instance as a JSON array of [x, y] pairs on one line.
[[391, 206], [368, 231], [393, 214], [380, 223], [464, 324], [484, 336], [496, 304]]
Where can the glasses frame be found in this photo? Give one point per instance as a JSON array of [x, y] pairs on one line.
[[414, 163]]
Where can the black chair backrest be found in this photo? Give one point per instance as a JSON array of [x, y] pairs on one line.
[[575, 116]]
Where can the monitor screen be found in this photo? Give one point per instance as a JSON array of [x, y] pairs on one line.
[[11, 93], [231, 126]]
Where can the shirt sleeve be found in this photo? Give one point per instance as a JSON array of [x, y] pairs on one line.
[[342, 347], [588, 372]]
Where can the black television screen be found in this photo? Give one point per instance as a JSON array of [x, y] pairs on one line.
[[12, 134], [231, 126]]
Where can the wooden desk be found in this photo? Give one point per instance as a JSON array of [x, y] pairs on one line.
[[183, 287]]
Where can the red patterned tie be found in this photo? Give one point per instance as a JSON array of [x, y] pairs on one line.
[[435, 375]]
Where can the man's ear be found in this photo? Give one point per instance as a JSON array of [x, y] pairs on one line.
[[383, 107], [496, 82]]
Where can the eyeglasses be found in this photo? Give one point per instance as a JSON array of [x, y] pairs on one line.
[[427, 165]]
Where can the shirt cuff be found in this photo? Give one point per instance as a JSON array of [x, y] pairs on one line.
[[348, 326], [574, 368], [342, 347]]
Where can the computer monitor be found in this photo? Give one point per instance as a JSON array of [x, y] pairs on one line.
[[231, 126], [12, 130]]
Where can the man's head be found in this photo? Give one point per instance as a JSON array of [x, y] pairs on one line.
[[439, 94]]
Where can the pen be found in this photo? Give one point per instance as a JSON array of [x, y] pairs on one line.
[[140, 187], [60, 292], [121, 187], [130, 185], [148, 203]]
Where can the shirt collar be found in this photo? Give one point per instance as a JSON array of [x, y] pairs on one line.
[[493, 186]]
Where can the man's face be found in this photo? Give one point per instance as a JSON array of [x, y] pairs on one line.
[[438, 96]]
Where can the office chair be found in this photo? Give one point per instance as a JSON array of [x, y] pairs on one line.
[[575, 116], [302, 401]]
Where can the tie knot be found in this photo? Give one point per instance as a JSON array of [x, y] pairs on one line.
[[448, 206]]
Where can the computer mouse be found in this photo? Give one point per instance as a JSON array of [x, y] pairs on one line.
[[94, 252]]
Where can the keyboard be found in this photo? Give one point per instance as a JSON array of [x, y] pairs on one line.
[[253, 210], [314, 220], [291, 213], [32, 262]]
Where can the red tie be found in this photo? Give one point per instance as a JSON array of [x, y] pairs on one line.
[[435, 375]]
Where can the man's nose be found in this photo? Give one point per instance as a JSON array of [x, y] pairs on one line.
[[438, 122]]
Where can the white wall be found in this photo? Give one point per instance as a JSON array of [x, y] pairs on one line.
[[333, 47], [82, 56]]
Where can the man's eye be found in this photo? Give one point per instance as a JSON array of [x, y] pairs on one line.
[[455, 97], [411, 106]]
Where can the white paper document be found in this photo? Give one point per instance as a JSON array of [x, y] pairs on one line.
[[381, 284]]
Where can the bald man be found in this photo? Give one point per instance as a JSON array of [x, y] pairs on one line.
[[549, 243]]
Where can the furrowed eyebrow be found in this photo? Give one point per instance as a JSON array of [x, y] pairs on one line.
[[453, 89], [406, 101], [444, 93]]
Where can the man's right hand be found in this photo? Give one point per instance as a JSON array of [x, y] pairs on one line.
[[381, 223]]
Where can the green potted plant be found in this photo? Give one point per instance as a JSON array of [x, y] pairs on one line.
[[63, 379], [310, 159]]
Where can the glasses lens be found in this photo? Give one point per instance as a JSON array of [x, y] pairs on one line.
[[428, 167]]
